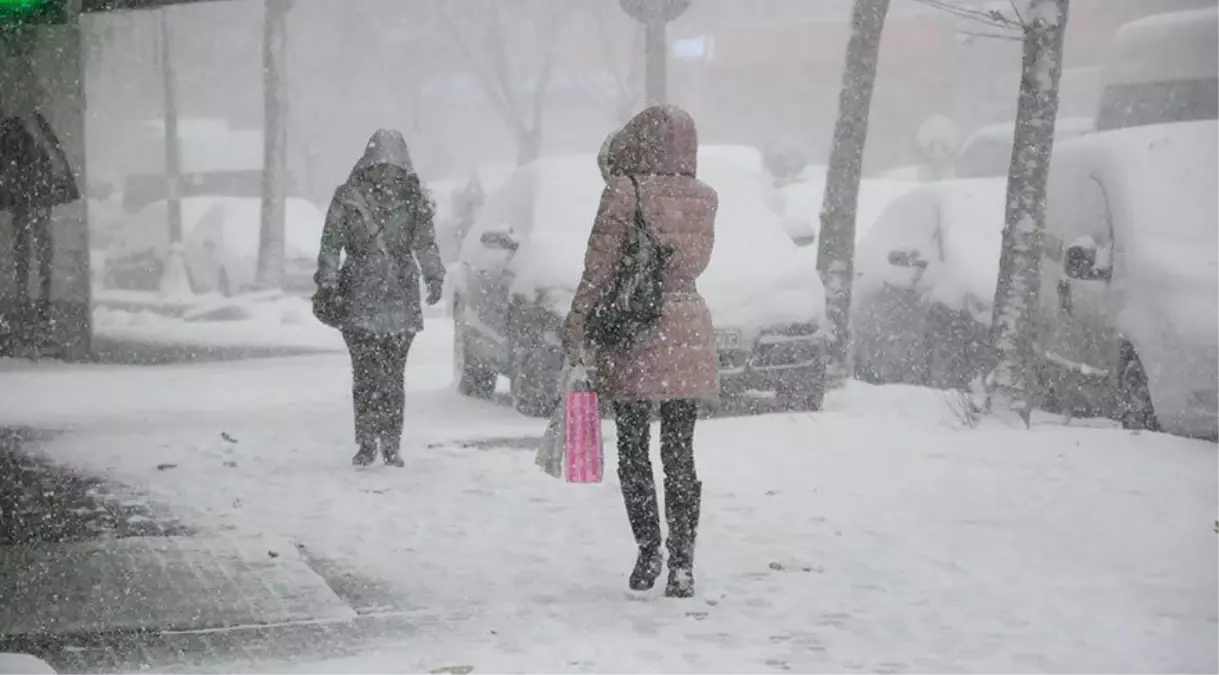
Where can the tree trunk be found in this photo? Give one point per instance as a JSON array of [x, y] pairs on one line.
[[275, 146], [174, 278], [1012, 384], [836, 252], [528, 146]]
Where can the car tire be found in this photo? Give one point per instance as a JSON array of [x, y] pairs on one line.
[[473, 379], [535, 390], [806, 394], [1134, 407]]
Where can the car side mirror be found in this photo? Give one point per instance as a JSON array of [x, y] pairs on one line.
[[1081, 264], [500, 241], [907, 258]]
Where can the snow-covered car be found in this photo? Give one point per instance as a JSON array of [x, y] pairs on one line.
[[521, 263], [801, 204], [1161, 69], [1129, 304], [220, 245], [987, 153], [926, 271], [924, 285]]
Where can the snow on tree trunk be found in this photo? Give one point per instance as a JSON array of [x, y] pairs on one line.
[[836, 252], [275, 145], [1012, 383]]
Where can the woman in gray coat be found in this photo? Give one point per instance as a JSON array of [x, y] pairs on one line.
[[378, 236]]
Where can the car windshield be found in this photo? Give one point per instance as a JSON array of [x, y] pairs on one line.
[[1144, 104]]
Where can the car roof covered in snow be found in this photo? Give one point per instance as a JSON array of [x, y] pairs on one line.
[[1165, 47]]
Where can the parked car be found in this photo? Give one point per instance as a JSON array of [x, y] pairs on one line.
[[520, 266], [220, 245], [801, 203], [1129, 305], [924, 286], [927, 266], [987, 153]]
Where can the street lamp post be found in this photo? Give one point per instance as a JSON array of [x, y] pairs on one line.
[[654, 14]]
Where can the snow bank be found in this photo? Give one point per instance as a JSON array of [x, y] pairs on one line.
[[286, 322], [24, 663]]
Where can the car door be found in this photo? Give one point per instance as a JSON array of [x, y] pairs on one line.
[[488, 252], [1078, 295]]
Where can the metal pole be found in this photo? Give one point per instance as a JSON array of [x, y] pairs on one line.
[[656, 54], [173, 161], [275, 145]]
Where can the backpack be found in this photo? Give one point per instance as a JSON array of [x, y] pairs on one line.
[[635, 300]]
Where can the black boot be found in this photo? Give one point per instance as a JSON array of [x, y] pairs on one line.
[[682, 506], [366, 455], [639, 494], [389, 451], [647, 568]]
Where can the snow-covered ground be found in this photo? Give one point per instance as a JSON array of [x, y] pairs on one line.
[[882, 535]]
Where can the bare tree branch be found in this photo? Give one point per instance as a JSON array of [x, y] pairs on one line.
[[992, 18], [489, 87], [496, 64], [1016, 11]]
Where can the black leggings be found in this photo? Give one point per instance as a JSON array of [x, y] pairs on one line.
[[378, 385], [677, 420]]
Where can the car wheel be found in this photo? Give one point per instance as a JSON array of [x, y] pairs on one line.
[[1135, 410], [535, 390], [472, 378], [806, 393]]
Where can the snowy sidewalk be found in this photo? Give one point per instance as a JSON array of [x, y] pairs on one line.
[[878, 536]]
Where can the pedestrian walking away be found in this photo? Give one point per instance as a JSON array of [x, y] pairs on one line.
[[35, 176], [650, 168], [378, 237]]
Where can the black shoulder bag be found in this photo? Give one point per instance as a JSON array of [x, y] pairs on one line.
[[635, 300]]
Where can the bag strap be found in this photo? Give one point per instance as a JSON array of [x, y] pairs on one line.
[[360, 203], [639, 219], [356, 200]]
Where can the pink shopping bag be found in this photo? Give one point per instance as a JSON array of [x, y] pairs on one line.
[[585, 453]]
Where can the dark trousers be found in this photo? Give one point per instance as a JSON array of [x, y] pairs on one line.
[[378, 386], [683, 490], [32, 243]]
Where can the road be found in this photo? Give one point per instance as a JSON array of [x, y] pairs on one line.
[[883, 535]]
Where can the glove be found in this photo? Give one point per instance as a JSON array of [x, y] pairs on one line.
[[435, 291]]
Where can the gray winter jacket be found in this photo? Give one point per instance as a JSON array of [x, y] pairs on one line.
[[377, 237]]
